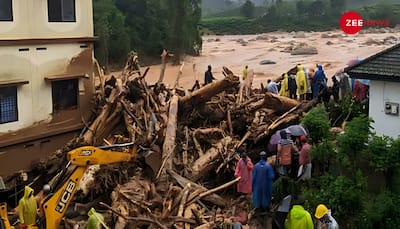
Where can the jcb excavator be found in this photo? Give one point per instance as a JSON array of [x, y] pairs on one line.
[[56, 203]]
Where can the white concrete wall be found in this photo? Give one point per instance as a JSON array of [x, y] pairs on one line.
[[380, 93], [35, 99], [30, 20]]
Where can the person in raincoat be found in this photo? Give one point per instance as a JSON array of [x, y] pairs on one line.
[[319, 81], [284, 86], [95, 219], [27, 208], [301, 82], [263, 175], [245, 72], [325, 218], [244, 169], [298, 217]]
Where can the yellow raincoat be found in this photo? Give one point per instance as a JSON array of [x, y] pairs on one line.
[[285, 86], [301, 81], [27, 207], [94, 220]]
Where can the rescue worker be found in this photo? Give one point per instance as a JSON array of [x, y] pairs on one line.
[[319, 81], [95, 219], [284, 153], [27, 208], [272, 87], [244, 169], [263, 175], [208, 76], [284, 86], [325, 219], [245, 72], [301, 82], [298, 217], [304, 159], [40, 199]]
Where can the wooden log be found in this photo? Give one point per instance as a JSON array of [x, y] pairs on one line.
[[188, 214], [183, 199], [170, 135], [206, 162], [211, 191], [147, 220], [164, 56], [208, 225], [205, 93], [104, 123], [213, 198], [276, 102]]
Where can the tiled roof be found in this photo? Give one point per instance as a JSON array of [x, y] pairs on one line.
[[383, 66]]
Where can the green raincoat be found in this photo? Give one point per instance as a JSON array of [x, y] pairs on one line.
[[94, 220], [298, 218], [27, 207]]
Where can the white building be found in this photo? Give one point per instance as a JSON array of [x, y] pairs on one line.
[[383, 71], [46, 77]]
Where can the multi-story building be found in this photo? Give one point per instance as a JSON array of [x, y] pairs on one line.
[[46, 77]]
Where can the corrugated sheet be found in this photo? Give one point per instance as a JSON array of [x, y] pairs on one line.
[[384, 65]]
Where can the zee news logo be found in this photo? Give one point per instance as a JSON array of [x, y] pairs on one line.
[[351, 22], [65, 196]]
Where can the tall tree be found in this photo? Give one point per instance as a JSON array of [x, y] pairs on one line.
[[109, 25], [248, 9]]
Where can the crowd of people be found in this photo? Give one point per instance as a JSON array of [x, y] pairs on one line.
[[306, 84], [293, 161]]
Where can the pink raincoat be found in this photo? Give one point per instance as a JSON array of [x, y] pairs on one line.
[[244, 170]]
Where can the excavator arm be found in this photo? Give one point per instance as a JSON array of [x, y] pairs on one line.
[[56, 204]]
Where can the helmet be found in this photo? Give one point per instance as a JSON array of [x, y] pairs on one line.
[[321, 211], [263, 154], [46, 189]]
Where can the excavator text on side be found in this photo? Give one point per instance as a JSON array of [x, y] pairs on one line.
[[65, 186]]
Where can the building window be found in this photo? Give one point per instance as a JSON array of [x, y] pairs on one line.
[[65, 95], [8, 104], [61, 10], [6, 10]]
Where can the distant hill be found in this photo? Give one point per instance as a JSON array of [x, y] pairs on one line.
[[215, 6]]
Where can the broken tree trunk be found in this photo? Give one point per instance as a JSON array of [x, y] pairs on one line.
[[209, 160], [213, 198], [205, 93], [104, 123], [170, 135], [276, 102]]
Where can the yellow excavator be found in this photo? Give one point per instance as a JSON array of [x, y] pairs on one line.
[[65, 186]]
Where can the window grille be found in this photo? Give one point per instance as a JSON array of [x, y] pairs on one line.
[[8, 105]]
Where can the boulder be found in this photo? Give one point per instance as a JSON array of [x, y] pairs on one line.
[[300, 34], [304, 50]]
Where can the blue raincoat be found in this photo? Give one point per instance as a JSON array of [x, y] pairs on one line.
[[263, 175], [318, 80]]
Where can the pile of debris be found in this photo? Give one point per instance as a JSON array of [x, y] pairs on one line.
[[186, 146]]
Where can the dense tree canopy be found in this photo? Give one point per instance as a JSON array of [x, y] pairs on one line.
[[147, 26]]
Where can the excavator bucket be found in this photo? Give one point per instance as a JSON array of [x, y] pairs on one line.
[[153, 160]]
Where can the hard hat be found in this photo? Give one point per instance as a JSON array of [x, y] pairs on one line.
[[321, 211], [263, 154], [46, 188]]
